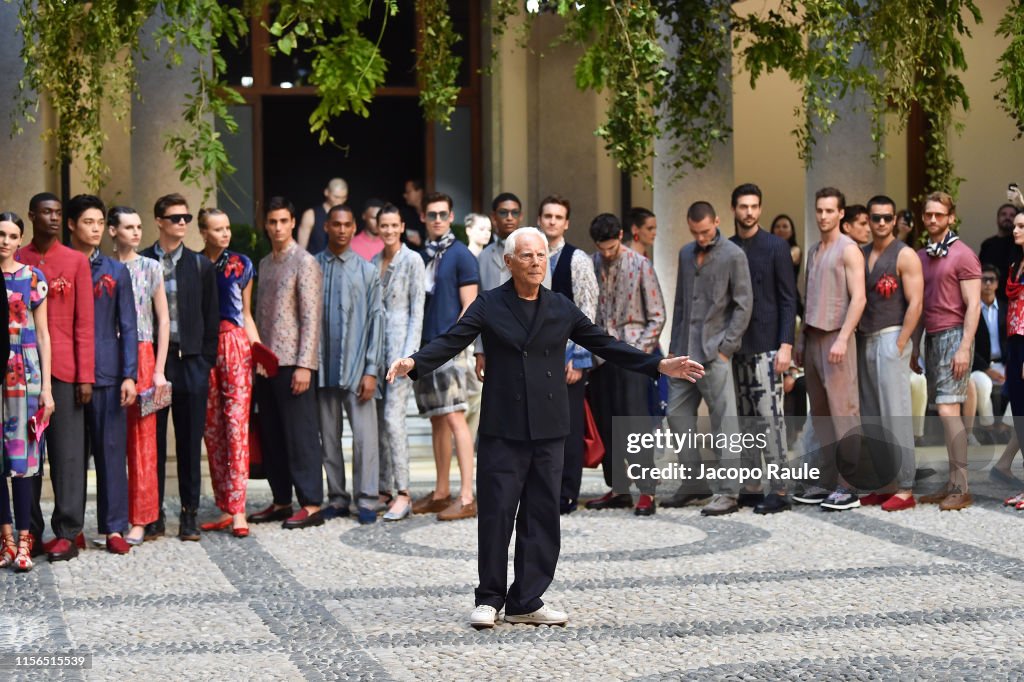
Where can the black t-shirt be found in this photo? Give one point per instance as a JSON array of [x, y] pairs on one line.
[[529, 309]]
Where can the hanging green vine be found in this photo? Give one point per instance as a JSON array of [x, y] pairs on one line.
[[436, 65], [1011, 65], [80, 56]]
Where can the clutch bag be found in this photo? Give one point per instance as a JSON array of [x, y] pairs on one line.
[[152, 400]]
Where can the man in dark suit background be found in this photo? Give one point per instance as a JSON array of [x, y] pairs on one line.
[[524, 328]]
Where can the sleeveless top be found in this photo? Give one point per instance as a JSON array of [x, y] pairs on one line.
[[827, 295], [886, 299], [147, 276], [318, 236]]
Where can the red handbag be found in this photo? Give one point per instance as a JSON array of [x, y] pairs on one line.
[[593, 447]]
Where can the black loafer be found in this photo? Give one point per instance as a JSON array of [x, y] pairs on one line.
[[303, 519], [773, 504], [271, 514], [188, 530], [156, 529], [611, 501]]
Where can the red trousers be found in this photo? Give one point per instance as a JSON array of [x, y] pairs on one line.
[[143, 489], [227, 418]]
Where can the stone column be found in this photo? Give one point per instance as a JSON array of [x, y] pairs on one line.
[[713, 183], [156, 113], [28, 167]]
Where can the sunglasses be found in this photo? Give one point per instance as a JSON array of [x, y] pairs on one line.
[[508, 212], [882, 217], [988, 280], [178, 218], [438, 215]]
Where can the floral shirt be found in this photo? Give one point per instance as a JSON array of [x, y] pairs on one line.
[[630, 306], [234, 272], [289, 306], [147, 277], [1015, 308]]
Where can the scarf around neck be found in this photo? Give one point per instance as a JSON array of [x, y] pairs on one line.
[[434, 251], [940, 249]]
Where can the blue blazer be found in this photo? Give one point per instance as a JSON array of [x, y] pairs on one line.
[[116, 324]]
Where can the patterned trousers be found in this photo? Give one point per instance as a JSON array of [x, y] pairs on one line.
[[759, 394], [227, 418], [143, 487], [394, 443]]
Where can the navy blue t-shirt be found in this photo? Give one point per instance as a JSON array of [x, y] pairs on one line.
[[458, 268]]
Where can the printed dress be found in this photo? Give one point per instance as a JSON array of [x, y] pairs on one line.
[[26, 289], [230, 395]]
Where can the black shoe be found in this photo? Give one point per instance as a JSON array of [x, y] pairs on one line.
[[566, 507], [611, 501], [923, 473], [686, 500], [773, 504], [749, 499], [157, 528], [188, 530], [271, 514], [303, 519]]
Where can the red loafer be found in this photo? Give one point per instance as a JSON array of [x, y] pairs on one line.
[[217, 525], [117, 545], [873, 499], [894, 503]]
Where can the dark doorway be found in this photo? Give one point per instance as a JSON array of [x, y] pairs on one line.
[[374, 155]]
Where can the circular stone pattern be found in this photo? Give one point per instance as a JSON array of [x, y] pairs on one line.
[[584, 537]]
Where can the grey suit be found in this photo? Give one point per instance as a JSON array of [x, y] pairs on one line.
[[711, 311]]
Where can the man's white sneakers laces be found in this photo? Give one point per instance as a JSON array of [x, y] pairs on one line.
[[545, 615], [483, 616]]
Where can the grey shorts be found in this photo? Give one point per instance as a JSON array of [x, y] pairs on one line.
[[443, 391], [939, 349]]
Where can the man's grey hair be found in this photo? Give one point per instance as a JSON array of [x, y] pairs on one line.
[[510, 242]]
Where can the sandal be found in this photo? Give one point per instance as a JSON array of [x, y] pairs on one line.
[[8, 550], [385, 497], [23, 561]]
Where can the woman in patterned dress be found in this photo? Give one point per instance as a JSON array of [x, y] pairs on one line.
[[402, 283], [125, 227], [1015, 344], [227, 408], [27, 398]]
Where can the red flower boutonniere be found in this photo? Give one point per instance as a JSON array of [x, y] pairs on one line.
[[106, 283], [60, 285], [234, 267], [887, 285]]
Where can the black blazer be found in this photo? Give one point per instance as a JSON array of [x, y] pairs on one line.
[[525, 395], [198, 304], [982, 343]]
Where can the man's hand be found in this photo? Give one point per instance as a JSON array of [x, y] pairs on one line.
[[915, 362], [783, 358], [400, 368], [572, 375], [901, 346], [837, 352], [367, 387], [83, 394], [481, 365], [961, 362], [995, 375], [723, 357], [127, 392], [300, 380], [681, 367]]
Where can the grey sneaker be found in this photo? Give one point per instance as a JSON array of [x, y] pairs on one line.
[[720, 505], [811, 494], [841, 500], [545, 615], [483, 617]]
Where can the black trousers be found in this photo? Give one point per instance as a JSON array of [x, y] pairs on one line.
[[572, 471], [617, 392], [65, 451], [290, 439], [526, 475], [190, 379]]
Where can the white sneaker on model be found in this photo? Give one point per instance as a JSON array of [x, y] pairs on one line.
[[545, 615], [483, 617]]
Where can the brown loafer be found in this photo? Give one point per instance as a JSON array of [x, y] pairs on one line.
[[937, 497], [428, 505], [956, 501], [457, 511]]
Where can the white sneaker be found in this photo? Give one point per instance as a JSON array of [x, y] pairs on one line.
[[483, 617], [545, 615]]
